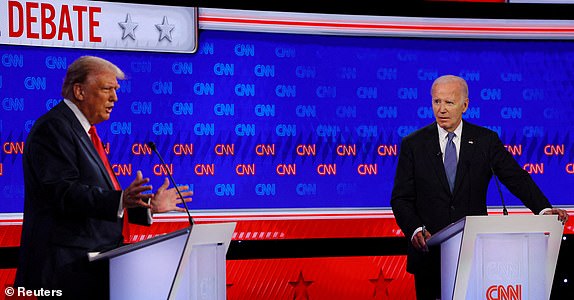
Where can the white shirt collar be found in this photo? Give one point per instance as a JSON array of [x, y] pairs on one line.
[[79, 115], [442, 134]]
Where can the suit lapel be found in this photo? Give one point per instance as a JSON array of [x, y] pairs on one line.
[[467, 150], [85, 140], [435, 156]]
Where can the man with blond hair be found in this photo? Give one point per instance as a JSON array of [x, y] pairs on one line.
[[73, 202]]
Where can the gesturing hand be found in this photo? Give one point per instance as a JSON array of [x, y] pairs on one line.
[[132, 195], [165, 200]]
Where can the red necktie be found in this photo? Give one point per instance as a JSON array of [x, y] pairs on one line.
[[100, 148], [102, 153]]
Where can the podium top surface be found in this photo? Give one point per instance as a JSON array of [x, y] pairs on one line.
[[132, 247], [499, 224], [447, 232]]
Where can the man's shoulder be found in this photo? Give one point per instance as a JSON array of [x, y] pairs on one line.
[[423, 133], [57, 117], [60, 111], [477, 130]]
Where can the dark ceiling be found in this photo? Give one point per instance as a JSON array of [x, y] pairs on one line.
[[408, 8]]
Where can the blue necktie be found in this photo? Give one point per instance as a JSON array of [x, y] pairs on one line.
[[450, 160]]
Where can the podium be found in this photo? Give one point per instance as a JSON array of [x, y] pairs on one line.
[[499, 257], [185, 264]]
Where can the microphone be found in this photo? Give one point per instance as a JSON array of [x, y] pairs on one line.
[[154, 149], [504, 210]]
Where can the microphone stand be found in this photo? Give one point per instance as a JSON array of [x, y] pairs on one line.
[[154, 149]]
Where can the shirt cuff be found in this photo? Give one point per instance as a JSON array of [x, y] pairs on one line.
[[121, 206], [149, 217], [543, 211], [416, 231], [148, 212]]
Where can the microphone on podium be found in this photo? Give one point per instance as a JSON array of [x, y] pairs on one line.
[[154, 149], [504, 210]]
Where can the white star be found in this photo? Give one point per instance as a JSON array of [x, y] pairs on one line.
[[128, 26], [165, 30]]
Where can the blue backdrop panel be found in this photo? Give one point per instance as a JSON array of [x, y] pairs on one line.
[[260, 120]]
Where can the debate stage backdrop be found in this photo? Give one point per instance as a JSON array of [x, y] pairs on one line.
[[285, 121]]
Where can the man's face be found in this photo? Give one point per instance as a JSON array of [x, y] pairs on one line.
[[448, 104], [97, 96]]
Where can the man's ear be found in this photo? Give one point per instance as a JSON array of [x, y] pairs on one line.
[[78, 91], [465, 105]]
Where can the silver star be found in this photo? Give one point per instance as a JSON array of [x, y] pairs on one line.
[[165, 30], [129, 28]]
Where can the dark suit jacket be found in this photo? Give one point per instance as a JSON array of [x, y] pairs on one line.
[[70, 207], [421, 194]]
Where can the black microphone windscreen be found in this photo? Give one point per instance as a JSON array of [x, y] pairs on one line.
[[152, 146]]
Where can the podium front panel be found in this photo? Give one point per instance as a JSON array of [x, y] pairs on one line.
[[499, 257], [201, 277], [146, 273], [509, 265], [201, 272], [449, 250]]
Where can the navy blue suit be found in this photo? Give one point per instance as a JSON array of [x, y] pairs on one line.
[[421, 195], [70, 207]]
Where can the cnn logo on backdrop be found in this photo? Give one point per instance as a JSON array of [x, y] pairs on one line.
[[501, 292]]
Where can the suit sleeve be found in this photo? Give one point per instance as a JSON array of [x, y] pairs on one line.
[[65, 176], [517, 180], [140, 216], [404, 192]]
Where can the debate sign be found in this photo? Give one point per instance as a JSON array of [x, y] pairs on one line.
[[99, 25]]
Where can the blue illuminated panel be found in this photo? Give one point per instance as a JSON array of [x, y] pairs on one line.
[[260, 120]]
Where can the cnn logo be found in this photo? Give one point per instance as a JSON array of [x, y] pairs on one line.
[[501, 292]]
